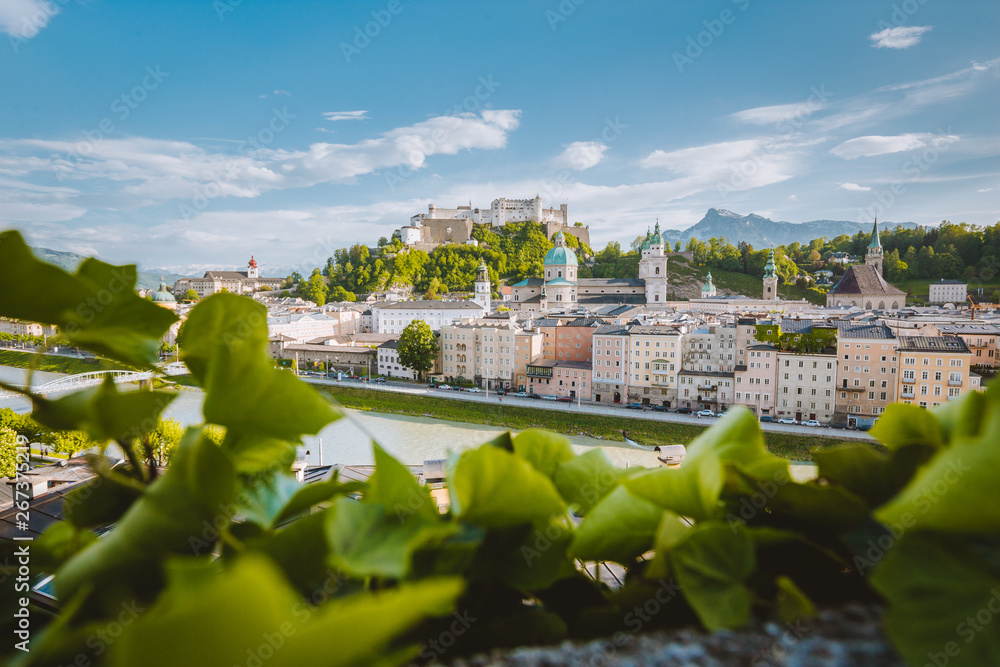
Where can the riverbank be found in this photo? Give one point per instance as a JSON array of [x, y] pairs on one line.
[[54, 363], [794, 447]]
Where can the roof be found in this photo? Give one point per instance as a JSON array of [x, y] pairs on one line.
[[989, 329], [226, 275], [864, 279], [560, 256], [950, 344], [583, 322], [944, 281], [575, 365], [541, 362], [611, 330], [559, 282], [875, 243], [530, 282], [389, 344], [851, 329], [654, 330], [611, 282], [429, 305], [610, 299]]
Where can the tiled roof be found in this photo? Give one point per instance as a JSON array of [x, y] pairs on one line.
[[988, 329], [654, 330], [847, 329], [611, 330], [952, 344], [430, 305], [864, 279]]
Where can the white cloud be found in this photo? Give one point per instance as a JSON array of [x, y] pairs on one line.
[[778, 113], [23, 19], [345, 115], [902, 37], [883, 145], [581, 155], [792, 197], [853, 187]]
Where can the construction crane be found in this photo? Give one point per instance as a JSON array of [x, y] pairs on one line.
[[972, 306]]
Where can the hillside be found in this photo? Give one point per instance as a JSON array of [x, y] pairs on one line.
[[763, 232], [70, 260], [686, 282]]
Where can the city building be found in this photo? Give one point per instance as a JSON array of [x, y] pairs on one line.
[[389, 364], [866, 372], [947, 291], [654, 357], [862, 285], [983, 341], [610, 363], [300, 327], [932, 369], [705, 390], [756, 381], [806, 384], [392, 318], [237, 282]]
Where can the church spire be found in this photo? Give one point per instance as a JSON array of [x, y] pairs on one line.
[[875, 242]]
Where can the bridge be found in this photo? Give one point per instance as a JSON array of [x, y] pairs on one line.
[[81, 381]]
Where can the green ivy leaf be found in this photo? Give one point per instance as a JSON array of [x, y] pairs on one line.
[[366, 539], [692, 490], [224, 343], [178, 514], [737, 438], [96, 308], [586, 479], [619, 528], [395, 488], [792, 603], [711, 564], [309, 495], [495, 488], [103, 501], [872, 477], [939, 591], [104, 412], [543, 449], [528, 557], [251, 612], [902, 425]]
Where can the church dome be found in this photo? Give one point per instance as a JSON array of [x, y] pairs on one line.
[[656, 238], [560, 255], [162, 295]]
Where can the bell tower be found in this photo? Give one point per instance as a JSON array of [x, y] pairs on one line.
[[874, 255], [252, 268], [770, 278], [483, 286]]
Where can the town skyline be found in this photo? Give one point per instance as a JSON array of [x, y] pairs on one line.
[[279, 146]]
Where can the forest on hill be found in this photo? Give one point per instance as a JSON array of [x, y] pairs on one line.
[[516, 251]]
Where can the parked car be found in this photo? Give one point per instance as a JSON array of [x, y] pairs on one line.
[[501, 392], [521, 394], [659, 408], [549, 397], [456, 388], [706, 413], [683, 411], [533, 395], [767, 418], [634, 406], [441, 386], [838, 426], [787, 420], [473, 390], [564, 399], [811, 422]]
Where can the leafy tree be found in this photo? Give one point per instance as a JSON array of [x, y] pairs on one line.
[[338, 294], [8, 452], [417, 347], [190, 295], [162, 441], [315, 290], [995, 297], [677, 246], [68, 442]]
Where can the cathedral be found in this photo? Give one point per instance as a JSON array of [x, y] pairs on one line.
[[561, 287]]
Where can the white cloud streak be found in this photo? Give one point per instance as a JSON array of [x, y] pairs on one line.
[[581, 155], [902, 37], [23, 19]]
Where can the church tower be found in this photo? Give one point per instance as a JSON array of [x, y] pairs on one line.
[[874, 255], [483, 286], [252, 268], [653, 267], [770, 278]]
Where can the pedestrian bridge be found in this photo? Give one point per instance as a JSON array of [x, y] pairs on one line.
[[81, 381]]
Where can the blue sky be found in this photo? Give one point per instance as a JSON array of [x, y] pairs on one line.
[[190, 134]]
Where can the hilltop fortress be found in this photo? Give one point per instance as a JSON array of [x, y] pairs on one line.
[[454, 225]]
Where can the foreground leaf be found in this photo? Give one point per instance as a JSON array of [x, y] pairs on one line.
[[619, 528], [711, 564]]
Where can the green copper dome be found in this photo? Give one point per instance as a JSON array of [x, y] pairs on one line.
[[770, 268], [560, 255], [656, 239], [645, 242], [162, 295]]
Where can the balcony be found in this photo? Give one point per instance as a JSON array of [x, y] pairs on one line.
[[909, 380], [907, 395], [954, 383]]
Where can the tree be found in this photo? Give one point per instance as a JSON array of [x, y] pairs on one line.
[[315, 290], [995, 298], [338, 293], [190, 295], [161, 442], [8, 452], [68, 442], [417, 347], [677, 246]]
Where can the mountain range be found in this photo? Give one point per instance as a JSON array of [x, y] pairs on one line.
[[70, 260], [762, 232]]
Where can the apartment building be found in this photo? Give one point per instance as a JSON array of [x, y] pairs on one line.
[[654, 360], [711, 348], [983, 341], [806, 384], [933, 369], [610, 363], [866, 372], [562, 379], [705, 390], [756, 382], [481, 351], [574, 339]]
